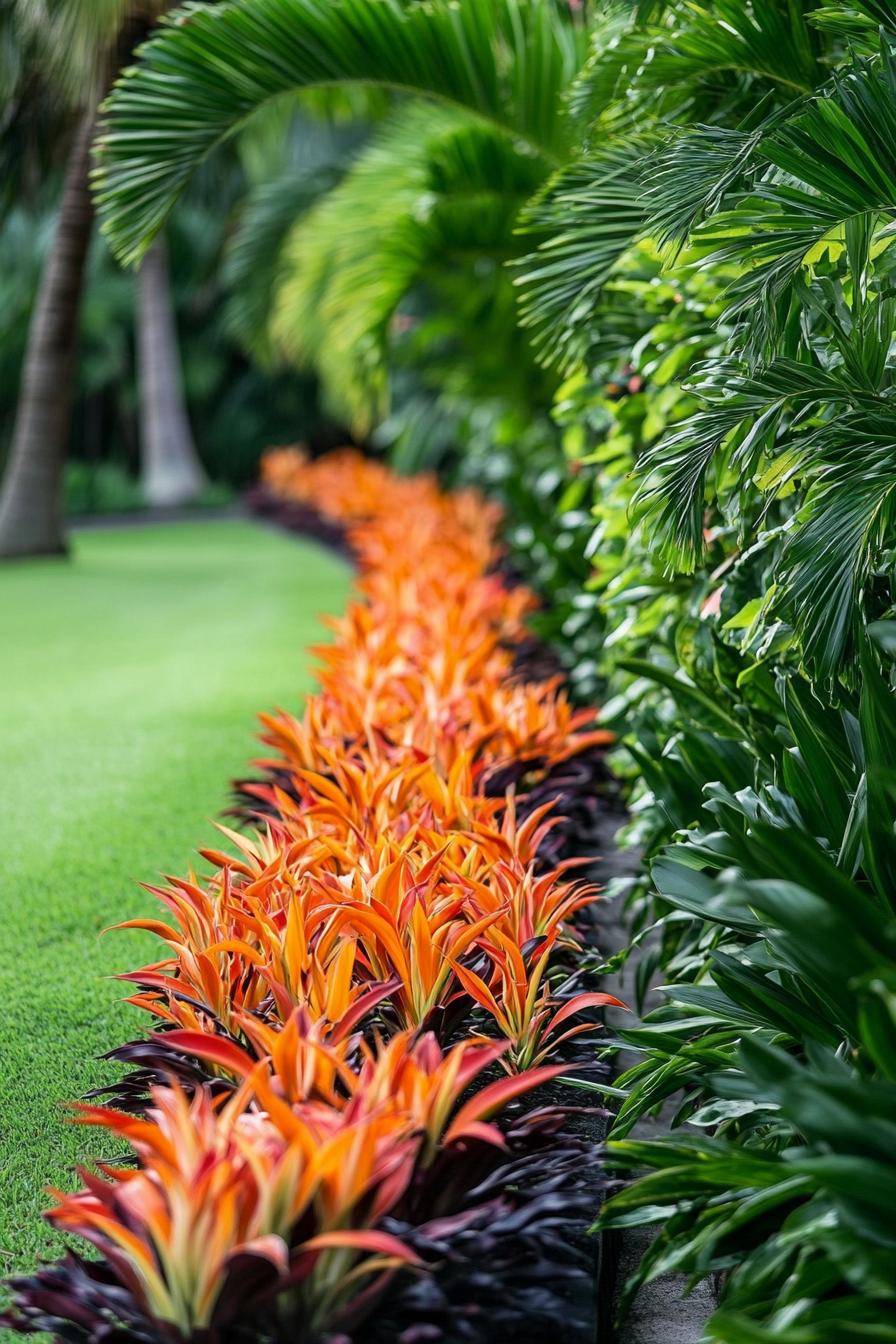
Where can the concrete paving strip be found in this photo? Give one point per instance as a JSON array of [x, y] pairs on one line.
[[660, 1314]]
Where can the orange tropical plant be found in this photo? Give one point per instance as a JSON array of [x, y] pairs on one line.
[[410, 1077], [393, 889], [517, 994], [226, 1201]]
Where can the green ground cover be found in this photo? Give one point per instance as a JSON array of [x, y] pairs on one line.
[[129, 681]]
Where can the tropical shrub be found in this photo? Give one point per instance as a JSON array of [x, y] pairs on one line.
[[778, 1034]]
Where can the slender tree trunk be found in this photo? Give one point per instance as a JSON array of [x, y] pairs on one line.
[[31, 499], [170, 470]]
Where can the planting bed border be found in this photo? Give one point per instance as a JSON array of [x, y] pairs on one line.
[[662, 1310], [593, 841], [556, 1176]]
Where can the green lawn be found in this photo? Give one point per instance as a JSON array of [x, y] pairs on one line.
[[130, 676]]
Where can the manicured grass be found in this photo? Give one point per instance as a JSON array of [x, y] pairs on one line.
[[129, 681]]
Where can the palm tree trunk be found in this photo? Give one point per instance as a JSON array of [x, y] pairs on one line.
[[170, 470], [31, 498]]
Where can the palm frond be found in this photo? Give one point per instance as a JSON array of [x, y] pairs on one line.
[[302, 132], [587, 216], [658, 61], [691, 175], [254, 265], [840, 536], [433, 186], [771, 41], [294, 161], [740, 423], [620, 41], [210, 67], [831, 164], [857, 18]]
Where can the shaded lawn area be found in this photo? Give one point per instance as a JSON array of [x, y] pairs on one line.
[[130, 677]]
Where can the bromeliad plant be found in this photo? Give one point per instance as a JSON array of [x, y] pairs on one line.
[[339, 931], [318, 1067], [230, 1206]]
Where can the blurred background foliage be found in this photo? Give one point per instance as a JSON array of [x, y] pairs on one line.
[[235, 409], [239, 402]]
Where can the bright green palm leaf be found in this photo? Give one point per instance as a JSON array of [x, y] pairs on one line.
[[849, 517], [211, 67], [741, 417], [815, 174], [305, 160], [254, 264], [434, 188], [588, 215], [660, 60]]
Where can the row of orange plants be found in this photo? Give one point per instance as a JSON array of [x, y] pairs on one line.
[[334, 985]]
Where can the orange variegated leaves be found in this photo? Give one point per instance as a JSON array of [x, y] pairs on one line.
[[395, 889], [386, 875], [409, 1075], [284, 1171], [219, 1185]]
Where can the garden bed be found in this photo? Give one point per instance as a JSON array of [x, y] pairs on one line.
[[341, 1120], [591, 813]]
